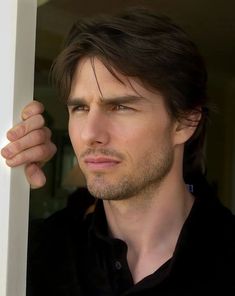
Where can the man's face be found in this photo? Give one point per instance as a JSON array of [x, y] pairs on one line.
[[121, 133]]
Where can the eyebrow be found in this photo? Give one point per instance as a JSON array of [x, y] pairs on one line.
[[130, 99]]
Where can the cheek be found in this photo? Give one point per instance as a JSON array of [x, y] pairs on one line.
[[127, 136], [134, 141], [148, 139], [137, 133]]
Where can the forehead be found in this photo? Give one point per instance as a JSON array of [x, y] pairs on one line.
[[93, 79]]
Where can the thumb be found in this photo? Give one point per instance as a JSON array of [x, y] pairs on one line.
[[35, 175]]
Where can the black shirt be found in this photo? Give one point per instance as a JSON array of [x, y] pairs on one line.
[[73, 255]]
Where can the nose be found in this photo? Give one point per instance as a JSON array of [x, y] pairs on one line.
[[94, 131]]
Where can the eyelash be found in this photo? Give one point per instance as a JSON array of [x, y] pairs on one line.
[[113, 108], [121, 108], [80, 108]]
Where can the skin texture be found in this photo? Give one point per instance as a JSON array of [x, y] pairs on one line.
[[30, 144], [131, 152], [133, 137]]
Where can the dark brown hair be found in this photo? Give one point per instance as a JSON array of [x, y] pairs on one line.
[[138, 43]]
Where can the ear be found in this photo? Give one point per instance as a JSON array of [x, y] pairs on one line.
[[186, 126]]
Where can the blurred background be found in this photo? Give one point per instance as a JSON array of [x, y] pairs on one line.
[[210, 23]]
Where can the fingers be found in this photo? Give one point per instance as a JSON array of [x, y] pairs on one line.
[[30, 144], [33, 108], [23, 128], [37, 137], [35, 176], [40, 153]]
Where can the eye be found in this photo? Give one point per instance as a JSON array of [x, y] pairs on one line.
[[79, 108], [121, 108]]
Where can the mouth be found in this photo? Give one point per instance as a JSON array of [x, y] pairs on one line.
[[100, 163]]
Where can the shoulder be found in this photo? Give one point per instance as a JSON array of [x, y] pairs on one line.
[[78, 203], [214, 226], [57, 235], [63, 222], [214, 217], [205, 253], [219, 217], [53, 247]]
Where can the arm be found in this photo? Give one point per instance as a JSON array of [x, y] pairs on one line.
[[30, 144]]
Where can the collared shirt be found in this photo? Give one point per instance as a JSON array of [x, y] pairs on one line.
[[72, 256]]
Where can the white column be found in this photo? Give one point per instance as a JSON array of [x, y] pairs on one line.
[[17, 46]]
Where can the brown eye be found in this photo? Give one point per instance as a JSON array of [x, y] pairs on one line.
[[121, 108], [80, 108]]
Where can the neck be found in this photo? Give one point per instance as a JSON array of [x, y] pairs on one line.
[[141, 218], [150, 224]]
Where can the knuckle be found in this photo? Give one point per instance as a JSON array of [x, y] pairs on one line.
[[36, 122], [42, 151], [53, 149], [38, 136], [47, 151], [16, 147], [32, 109], [48, 132], [40, 106], [21, 158], [41, 120], [22, 129], [36, 106]]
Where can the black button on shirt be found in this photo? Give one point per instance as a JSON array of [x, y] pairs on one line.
[[118, 265], [74, 256]]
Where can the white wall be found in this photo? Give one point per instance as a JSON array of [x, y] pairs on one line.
[[17, 39]]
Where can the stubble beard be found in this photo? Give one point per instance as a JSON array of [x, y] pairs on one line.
[[151, 171]]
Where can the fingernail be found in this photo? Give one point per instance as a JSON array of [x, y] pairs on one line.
[[12, 134], [6, 152]]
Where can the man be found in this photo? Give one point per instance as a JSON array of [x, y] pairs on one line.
[[135, 87]]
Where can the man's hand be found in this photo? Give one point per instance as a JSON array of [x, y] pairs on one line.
[[30, 144]]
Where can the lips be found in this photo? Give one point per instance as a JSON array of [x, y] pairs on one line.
[[100, 162]]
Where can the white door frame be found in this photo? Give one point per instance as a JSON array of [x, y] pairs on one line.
[[17, 48]]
